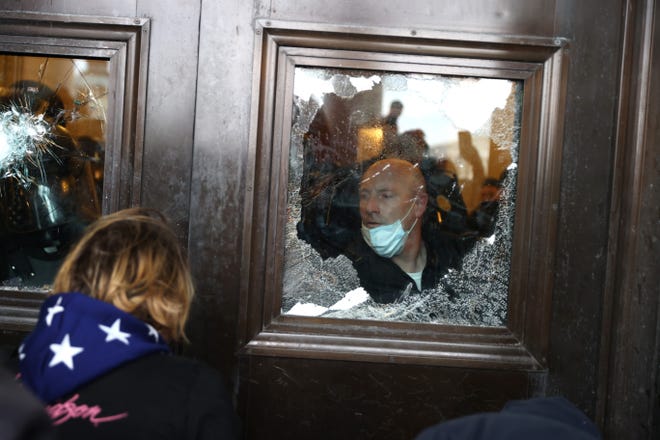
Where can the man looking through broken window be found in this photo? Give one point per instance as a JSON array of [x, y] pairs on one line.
[[392, 258]]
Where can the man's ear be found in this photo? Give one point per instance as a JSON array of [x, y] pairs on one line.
[[421, 200]]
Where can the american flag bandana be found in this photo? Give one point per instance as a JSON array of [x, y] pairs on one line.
[[78, 338]]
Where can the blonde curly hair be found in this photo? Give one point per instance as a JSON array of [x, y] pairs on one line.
[[133, 260]]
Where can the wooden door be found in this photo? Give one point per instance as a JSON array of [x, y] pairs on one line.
[[302, 377], [382, 366]]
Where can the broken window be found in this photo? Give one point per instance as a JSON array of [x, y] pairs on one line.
[[52, 149], [461, 134]]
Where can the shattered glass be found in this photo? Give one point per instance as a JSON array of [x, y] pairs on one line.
[[462, 132], [52, 149]]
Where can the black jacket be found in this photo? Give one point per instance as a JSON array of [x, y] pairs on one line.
[[540, 418], [386, 282], [22, 416], [159, 396], [104, 374]]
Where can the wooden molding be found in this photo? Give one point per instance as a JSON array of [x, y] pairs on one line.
[[523, 342]]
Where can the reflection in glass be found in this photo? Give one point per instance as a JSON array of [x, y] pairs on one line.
[[52, 142], [350, 132]]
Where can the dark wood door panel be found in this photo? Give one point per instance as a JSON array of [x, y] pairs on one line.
[[307, 398]]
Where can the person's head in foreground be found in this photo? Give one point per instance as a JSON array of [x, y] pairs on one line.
[[99, 356], [541, 418], [133, 260], [123, 292]]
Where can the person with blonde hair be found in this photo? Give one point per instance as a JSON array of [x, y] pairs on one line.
[[99, 357]]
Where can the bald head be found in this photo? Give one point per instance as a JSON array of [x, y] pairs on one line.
[[398, 171]]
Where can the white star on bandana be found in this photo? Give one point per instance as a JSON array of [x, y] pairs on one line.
[[152, 332], [114, 333], [52, 311], [64, 353]]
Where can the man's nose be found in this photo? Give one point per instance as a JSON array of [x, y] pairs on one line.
[[372, 204]]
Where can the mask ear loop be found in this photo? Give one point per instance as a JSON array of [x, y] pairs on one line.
[[414, 200], [411, 228]]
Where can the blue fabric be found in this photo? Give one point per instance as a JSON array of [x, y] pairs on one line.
[[78, 338], [542, 418]]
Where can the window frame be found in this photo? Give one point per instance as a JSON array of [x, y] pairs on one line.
[[523, 342], [124, 43]]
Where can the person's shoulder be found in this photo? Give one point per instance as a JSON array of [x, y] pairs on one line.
[[357, 250], [210, 407], [193, 385], [162, 373], [21, 412], [171, 364], [541, 418]]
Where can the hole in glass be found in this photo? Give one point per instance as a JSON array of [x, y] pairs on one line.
[[401, 196], [52, 149]]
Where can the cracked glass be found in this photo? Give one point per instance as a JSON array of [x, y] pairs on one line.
[[52, 148], [401, 196]]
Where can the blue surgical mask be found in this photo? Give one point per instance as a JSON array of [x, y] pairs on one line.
[[388, 240]]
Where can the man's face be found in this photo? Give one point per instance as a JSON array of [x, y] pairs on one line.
[[490, 193], [385, 197]]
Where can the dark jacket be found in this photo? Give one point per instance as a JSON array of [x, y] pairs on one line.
[[386, 282], [105, 374], [158, 396], [540, 418], [22, 416]]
